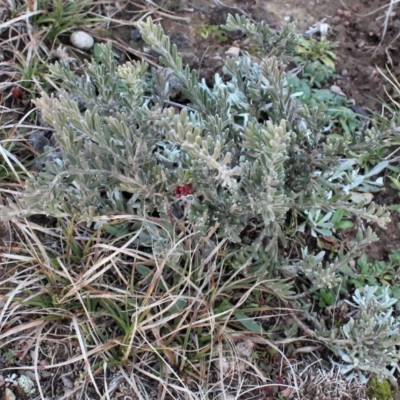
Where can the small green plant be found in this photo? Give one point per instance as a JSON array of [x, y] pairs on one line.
[[379, 273], [213, 32], [60, 16], [325, 298], [371, 337], [338, 107], [315, 62], [8, 355], [48, 23], [394, 178], [316, 67], [319, 223], [380, 390], [338, 221], [312, 50]]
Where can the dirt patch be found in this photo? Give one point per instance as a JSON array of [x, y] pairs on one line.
[[364, 43], [389, 238]]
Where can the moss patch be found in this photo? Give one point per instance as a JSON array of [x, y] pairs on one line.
[[380, 390]]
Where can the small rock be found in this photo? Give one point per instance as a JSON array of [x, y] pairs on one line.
[[336, 20], [180, 39], [353, 34], [9, 395], [245, 349], [357, 197], [190, 59], [233, 52], [339, 12], [82, 40], [219, 16], [361, 113], [67, 382], [79, 102], [39, 141], [234, 34], [218, 61], [361, 44], [337, 90], [177, 212], [344, 73], [347, 14], [174, 83], [30, 374], [135, 35]]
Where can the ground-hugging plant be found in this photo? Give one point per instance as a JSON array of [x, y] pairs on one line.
[[248, 149], [241, 161], [371, 337], [380, 390]]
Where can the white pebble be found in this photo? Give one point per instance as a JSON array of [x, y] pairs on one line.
[[9, 395], [233, 52], [337, 90], [82, 40]]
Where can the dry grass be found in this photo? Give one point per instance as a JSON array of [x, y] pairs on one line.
[[165, 325], [88, 315]]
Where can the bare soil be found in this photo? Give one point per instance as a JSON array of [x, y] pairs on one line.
[[364, 44]]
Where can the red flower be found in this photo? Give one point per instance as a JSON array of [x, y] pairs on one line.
[[269, 391], [16, 92], [183, 190]]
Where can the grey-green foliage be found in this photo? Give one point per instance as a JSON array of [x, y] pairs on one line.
[[267, 41], [371, 337], [255, 157], [251, 151], [327, 275]]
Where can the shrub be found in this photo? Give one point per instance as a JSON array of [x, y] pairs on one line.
[[242, 161], [371, 338], [249, 150]]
